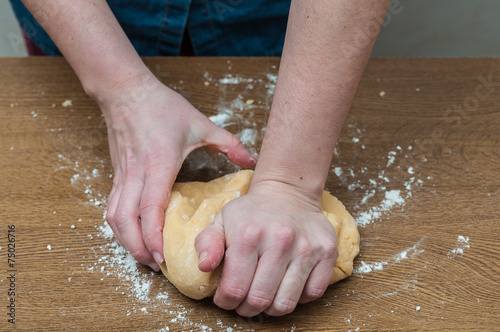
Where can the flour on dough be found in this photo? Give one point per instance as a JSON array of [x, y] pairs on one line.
[[194, 205]]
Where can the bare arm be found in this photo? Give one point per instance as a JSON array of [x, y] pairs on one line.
[[92, 41], [279, 249], [327, 46]]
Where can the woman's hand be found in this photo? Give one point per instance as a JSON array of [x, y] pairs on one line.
[[279, 250], [151, 130]]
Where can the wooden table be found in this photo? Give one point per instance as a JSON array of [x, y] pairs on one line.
[[429, 258]]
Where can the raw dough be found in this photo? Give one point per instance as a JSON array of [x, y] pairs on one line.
[[194, 205]]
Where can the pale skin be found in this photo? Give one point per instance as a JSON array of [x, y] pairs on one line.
[[278, 248]]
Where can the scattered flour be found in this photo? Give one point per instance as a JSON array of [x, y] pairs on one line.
[[119, 263], [338, 171], [411, 252], [237, 112], [116, 262], [248, 136], [67, 103], [392, 198], [391, 185], [391, 158], [365, 211], [462, 245], [221, 118], [271, 84], [237, 115], [229, 79]]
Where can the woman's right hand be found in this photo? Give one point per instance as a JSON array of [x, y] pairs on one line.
[[151, 130]]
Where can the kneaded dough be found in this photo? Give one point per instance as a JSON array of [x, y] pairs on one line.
[[194, 205]]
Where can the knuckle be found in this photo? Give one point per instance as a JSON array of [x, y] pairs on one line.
[[285, 236], [330, 250], [199, 240], [122, 221], [162, 163], [308, 249], [233, 293], [234, 141], [140, 255], [314, 292], [314, 249], [308, 264], [258, 300], [110, 217], [284, 306], [250, 236], [120, 217], [130, 173], [148, 238], [145, 209], [116, 181]]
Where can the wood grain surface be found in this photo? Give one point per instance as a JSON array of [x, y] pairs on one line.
[[432, 141]]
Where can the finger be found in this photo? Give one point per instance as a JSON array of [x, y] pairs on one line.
[[158, 183], [115, 193], [210, 246], [318, 281], [114, 196], [320, 276], [126, 219], [240, 263], [291, 287], [270, 271], [221, 140], [113, 149]]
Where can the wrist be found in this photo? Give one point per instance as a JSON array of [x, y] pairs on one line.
[[308, 189], [123, 82], [121, 96], [301, 165]]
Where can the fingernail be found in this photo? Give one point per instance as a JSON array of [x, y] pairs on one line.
[[202, 257], [254, 157], [157, 257]]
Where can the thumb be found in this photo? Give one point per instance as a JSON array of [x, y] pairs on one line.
[[210, 246], [223, 141]]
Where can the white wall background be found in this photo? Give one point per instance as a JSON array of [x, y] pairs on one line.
[[10, 34], [421, 28], [442, 28]]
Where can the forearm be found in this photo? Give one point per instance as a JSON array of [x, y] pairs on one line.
[[327, 46], [92, 41]]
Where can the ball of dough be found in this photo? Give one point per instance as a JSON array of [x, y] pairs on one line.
[[194, 205]]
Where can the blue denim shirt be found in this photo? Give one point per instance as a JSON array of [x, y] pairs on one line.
[[216, 27]]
